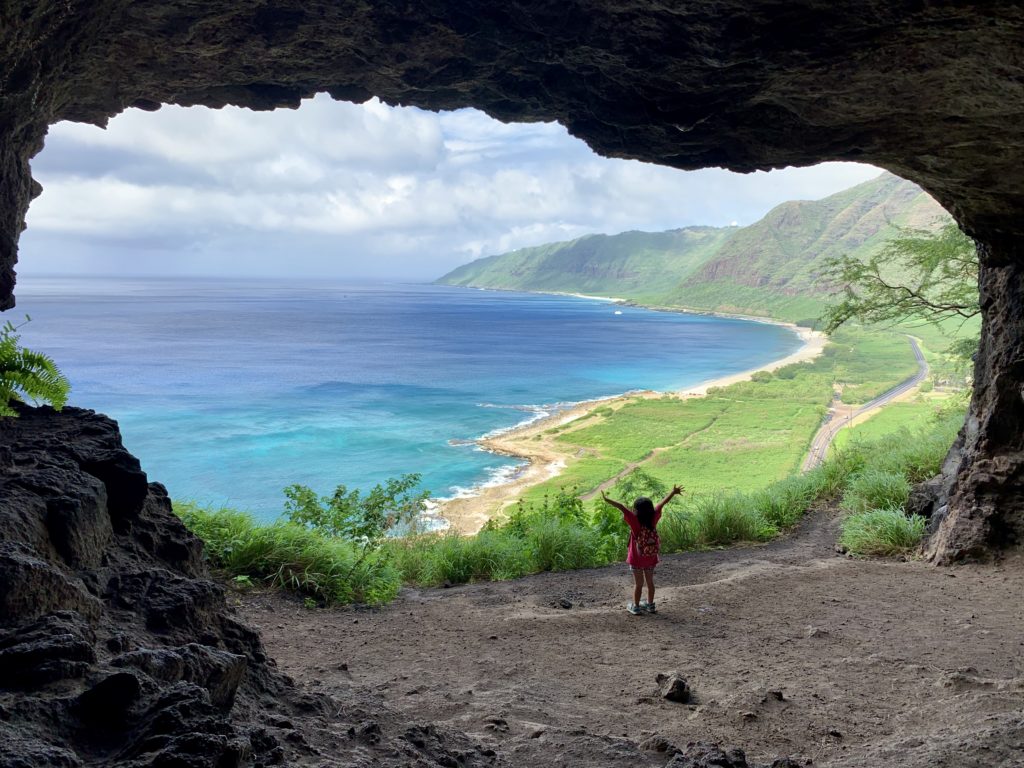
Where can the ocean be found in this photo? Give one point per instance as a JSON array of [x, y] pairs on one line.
[[230, 390]]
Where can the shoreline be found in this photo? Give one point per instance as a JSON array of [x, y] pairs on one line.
[[467, 514]]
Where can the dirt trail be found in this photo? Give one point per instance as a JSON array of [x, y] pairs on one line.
[[877, 662]]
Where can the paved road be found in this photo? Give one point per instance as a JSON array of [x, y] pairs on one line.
[[839, 419]]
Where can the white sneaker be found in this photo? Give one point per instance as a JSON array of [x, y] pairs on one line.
[[635, 609]]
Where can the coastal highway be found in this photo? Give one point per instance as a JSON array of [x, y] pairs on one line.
[[840, 417]]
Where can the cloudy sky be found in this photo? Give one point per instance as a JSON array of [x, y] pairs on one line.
[[355, 191]]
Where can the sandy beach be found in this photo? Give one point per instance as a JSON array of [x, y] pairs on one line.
[[546, 458]]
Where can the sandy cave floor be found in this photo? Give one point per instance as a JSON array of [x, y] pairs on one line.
[[878, 662]]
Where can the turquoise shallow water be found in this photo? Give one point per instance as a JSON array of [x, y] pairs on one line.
[[230, 390]]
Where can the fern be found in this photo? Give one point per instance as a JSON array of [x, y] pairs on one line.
[[26, 375]]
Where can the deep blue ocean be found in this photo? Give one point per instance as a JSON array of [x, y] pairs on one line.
[[230, 390]]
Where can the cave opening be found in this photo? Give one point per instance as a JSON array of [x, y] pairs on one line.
[[126, 652], [313, 196]]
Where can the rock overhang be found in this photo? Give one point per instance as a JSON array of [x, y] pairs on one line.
[[933, 92]]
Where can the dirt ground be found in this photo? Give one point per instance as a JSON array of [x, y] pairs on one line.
[[789, 648]]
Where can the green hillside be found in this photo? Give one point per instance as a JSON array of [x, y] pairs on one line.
[[770, 268], [628, 264]]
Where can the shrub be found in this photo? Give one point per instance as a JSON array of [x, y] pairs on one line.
[[607, 522], [875, 489], [918, 456], [785, 502], [722, 520], [565, 506], [292, 556], [435, 559], [556, 545], [222, 530], [881, 532], [677, 532], [639, 483], [350, 515]]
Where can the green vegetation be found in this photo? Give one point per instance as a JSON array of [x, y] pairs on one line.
[[27, 374], [562, 532], [895, 458], [771, 268], [882, 532], [876, 489], [737, 438], [917, 274], [627, 264], [347, 514], [911, 415], [292, 556], [737, 450], [922, 278]]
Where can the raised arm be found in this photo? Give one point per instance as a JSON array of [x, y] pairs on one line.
[[676, 490], [618, 505]]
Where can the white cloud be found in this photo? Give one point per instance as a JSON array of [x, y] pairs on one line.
[[365, 190]]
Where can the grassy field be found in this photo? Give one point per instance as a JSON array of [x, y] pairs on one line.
[[912, 415], [738, 438]]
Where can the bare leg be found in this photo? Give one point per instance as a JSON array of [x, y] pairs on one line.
[[638, 586], [649, 578]]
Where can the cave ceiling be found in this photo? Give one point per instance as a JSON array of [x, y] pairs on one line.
[[931, 91]]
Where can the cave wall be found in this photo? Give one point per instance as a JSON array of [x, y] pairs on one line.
[[933, 91], [116, 647]]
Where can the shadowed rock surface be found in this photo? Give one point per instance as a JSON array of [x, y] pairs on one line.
[[116, 648], [930, 91]]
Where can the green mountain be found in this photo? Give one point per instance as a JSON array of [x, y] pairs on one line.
[[629, 263], [772, 267]]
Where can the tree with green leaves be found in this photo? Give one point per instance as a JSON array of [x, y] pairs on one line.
[[639, 483], [348, 514], [26, 375], [918, 275]]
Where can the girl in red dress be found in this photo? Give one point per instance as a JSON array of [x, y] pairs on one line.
[[644, 546]]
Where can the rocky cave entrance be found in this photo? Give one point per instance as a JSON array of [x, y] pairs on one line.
[[928, 92]]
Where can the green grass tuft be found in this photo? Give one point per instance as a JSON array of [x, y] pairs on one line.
[[292, 557], [724, 520], [881, 532], [876, 489]]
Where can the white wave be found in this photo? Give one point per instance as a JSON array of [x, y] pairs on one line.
[[536, 415], [432, 520], [501, 475], [543, 411]]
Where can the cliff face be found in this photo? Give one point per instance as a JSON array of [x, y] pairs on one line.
[[786, 250], [930, 91], [116, 648]]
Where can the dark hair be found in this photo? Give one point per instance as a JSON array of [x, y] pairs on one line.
[[644, 509]]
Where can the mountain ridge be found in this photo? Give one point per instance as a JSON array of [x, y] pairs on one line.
[[770, 268]]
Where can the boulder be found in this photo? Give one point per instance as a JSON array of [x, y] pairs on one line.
[[674, 687]]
